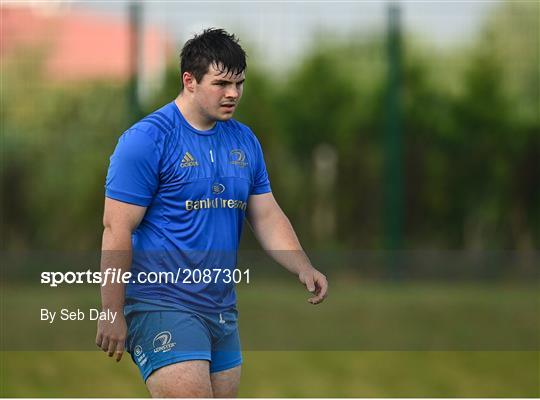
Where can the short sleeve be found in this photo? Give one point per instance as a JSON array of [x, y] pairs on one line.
[[261, 182], [133, 169]]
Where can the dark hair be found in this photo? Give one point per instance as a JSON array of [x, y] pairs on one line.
[[212, 47]]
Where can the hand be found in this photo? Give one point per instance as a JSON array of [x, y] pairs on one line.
[[111, 336], [316, 283]]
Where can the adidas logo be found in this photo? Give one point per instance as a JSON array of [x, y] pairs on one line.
[[188, 161]]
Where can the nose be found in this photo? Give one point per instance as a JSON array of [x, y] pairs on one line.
[[232, 92]]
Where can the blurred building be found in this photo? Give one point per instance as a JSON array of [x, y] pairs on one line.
[[79, 45]]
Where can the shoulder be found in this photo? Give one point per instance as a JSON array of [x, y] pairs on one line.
[[154, 130], [242, 131], [157, 125]]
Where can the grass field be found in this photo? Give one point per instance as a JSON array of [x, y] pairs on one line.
[[374, 340], [291, 374]]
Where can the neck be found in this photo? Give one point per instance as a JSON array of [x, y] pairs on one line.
[[191, 113]]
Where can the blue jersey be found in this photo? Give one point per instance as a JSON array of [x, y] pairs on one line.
[[195, 185]]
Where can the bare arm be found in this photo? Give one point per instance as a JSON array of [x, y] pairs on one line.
[[119, 221], [277, 237]]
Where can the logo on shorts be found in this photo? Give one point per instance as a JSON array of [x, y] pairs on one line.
[[238, 157], [140, 357], [162, 342]]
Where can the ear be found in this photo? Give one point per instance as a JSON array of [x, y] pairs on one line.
[[189, 81]]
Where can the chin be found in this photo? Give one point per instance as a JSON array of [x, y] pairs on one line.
[[224, 118]]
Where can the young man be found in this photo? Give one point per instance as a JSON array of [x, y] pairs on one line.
[[179, 185]]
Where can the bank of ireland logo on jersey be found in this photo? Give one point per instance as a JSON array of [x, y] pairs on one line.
[[238, 158], [188, 161], [162, 342]]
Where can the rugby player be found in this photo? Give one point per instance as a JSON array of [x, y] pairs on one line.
[[179, 185]]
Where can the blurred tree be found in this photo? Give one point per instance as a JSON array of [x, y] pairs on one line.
[[334, 99], [501, 105], [481, 170], [57, 140], [513, 34]]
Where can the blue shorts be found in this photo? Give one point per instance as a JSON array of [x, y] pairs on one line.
[[159, 338]]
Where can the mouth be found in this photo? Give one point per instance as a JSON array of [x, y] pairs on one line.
[[228, 106]]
